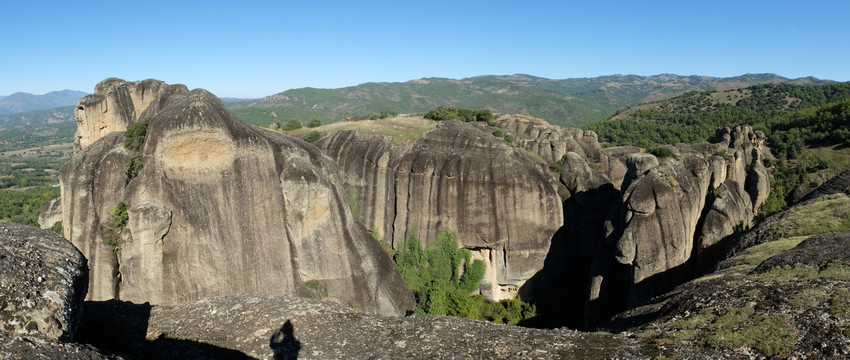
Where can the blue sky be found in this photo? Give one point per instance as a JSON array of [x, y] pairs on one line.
[[258, 48]]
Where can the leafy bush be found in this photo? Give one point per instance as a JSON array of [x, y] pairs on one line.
[[441, 288], [661, 152], [292, 125], [497, 133], [314, 122], [382, 115], [556, 167], [57, 227], [117, 222], [312, 136], [134, 137], [134, 166], [456, 113]]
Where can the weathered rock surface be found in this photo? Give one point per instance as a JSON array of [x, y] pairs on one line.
[[501, 202], [817, 252], [632, 226], [265, 327], [116, 104], [670, 211], [552, 142], [745, 310], [50, 214], [42, 283], [219, 207], [28, 347]]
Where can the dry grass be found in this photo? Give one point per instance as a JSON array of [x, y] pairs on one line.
[[830, 213], [403, 129]]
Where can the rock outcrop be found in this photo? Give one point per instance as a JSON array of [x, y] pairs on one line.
[[266, 327], [50, 214], [117, 104], [501, 202], [42, 283], [212, 206], [671, 213], [630, 224], [28, 347]]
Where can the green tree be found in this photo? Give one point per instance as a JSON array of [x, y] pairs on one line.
[[314, 122], [134, 137], [292, 125], [312, 136]]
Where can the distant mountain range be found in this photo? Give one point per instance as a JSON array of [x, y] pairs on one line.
[[566, 102], [21, 102]]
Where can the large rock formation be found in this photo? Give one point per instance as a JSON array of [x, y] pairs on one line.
[[670, 211], [42, 283], [211, 206], [616, 227], [501, 202], [116, 104]]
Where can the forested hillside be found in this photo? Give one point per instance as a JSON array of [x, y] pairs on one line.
[[566, 102], [694, 116], [806, 128]]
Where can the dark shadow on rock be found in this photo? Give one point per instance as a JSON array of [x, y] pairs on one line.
[[560, 289], [115, 326], [284, 344], [120, 327], [165, 348]]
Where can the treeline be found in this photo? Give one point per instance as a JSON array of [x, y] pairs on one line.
[[25, 172], [456, 113], [442, 277], [695, 116], [23, 207], [793, 118]]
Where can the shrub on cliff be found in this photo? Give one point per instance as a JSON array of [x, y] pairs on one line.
[[134, 137], [442, 277]]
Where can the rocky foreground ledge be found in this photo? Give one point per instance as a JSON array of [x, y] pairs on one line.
[[273, 327]]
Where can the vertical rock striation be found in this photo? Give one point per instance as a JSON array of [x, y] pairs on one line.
[[502, 203], [614, 228], [218, 207]]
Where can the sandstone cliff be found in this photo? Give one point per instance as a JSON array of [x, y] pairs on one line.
[[501, 202], [670, 211], [218, 207], [613, 228], [117, 104]]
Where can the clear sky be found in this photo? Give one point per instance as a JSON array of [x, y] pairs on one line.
[[256, 48]]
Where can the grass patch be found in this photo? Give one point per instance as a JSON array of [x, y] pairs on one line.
[[808, 298], [403, 129], [353, 204], [833, 271], [698, 320], [770, 335], [735, 328], [757, 254], [839, 303], [830, 213]]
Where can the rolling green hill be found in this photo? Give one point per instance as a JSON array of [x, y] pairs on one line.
[[694, 116], [806, 128], [567, 102]]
